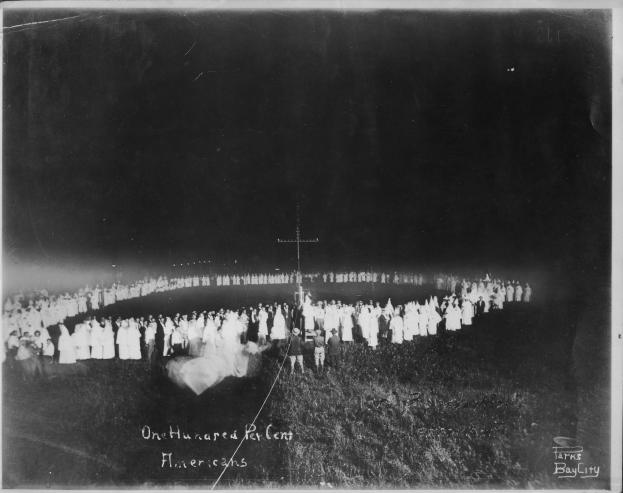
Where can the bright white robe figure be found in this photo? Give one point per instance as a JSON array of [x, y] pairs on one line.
[[423, 320], [134, 340], [474, 287], [167, 329], [262, 330], [199, 374], [518, 293], [108, 341], [363, 320], [453, 318], [278, 330], [229, 342], [210, 332], [97, 341], [433, 320], [510, 293], [487, 299], [331, 320], [397, 327], [45, 334], [308, 315], [195, 334], [81, 341], [388, 311], [182, 328], [346, 323], [201, 323], [373, 331], [66, 347], [467, 312], [123, 336], [410, 323], [473, 296]]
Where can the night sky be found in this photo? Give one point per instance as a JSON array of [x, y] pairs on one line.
[[409, 138]]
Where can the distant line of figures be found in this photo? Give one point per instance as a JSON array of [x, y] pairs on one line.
[[27, 313], [207, 332]]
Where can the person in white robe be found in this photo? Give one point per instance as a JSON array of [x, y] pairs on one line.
[[230, 338], [346, 323], [410, 322], [81, 341], [467, 312], [474, 286], [453, 317], [108, 341], [422, 313], [150, 339], [433, 320], [527, 293], [473, 295], [97, 340], [134, 340], [363, 321], [123, 336], [210, 333], [262, 330], [239, 327], [66, 347], [331, 319], [182, 328], [487, 299], [396, 325], [499, 298], [278, 330], [45, 334], [510, 293], [502, 290], [194, 337], [373, 330], [308, 317], [167, 328], [201, 322], [388, 311], [518, 292]]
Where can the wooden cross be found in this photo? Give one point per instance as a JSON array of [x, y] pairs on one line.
[[298, 240]]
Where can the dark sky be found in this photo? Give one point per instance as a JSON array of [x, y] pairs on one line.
[[424, 138]]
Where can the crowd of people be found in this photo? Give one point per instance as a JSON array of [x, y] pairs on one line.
[[325, 325], [29, 312]]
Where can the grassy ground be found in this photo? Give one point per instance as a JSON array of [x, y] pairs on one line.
[[478, 408]]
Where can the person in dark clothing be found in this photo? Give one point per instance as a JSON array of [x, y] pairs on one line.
[[480, 306], [319, 344], [295, 351], [334, 350], [287, 314], [159, 341], [384, 332]]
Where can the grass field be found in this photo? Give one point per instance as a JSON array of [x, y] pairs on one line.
[[477, 408]]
